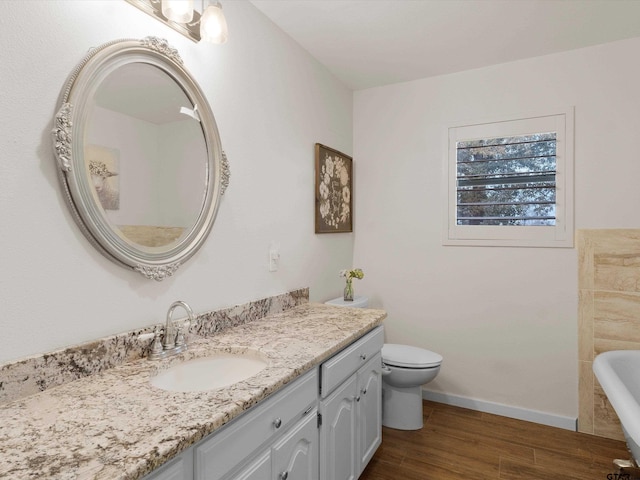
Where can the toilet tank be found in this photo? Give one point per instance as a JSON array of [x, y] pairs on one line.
[[359, 301]]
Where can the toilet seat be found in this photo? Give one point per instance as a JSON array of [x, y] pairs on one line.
[[406, 356]]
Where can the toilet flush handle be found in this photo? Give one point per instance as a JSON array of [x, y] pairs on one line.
[[385, 370]]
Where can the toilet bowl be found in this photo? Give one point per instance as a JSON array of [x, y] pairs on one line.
[[405, 369]]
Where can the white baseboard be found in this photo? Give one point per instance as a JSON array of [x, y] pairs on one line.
[[567, 423]]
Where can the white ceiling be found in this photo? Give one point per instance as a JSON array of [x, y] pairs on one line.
[[368, 43]]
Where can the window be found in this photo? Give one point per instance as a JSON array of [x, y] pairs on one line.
[[507, 180], [510, 182]]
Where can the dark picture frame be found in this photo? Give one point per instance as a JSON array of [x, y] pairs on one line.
[[334, 191]]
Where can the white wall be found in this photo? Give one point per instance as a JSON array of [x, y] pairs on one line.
[[137, 145], [272, 102], [505, 319]]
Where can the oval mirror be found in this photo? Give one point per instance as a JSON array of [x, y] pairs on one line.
[[139, 155]]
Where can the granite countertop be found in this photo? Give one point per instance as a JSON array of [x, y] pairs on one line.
[[116, 425]]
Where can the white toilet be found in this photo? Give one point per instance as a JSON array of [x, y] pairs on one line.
[[405, 369]]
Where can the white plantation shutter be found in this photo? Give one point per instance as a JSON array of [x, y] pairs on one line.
[[510, 182]]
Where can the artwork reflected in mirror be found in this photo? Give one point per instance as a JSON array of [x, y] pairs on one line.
[[156, 171], [102, 165]]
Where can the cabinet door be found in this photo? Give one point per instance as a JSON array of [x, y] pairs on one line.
[[259, 469], [295, 456], [338, 433], [369, 410]]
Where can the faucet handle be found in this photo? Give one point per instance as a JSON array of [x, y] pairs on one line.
[[156, 345], [180, 341]]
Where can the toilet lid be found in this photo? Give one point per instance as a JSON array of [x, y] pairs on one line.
[[408, 356]]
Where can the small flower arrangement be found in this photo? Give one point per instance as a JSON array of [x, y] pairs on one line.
[[350, 275], [353, 273]]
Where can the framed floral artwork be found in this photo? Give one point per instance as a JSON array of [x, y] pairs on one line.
[[334, 191]]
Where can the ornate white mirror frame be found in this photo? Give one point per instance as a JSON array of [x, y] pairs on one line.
[[158, 221]]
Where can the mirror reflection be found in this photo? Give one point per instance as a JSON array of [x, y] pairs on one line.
[[139, 155], [145, 156]]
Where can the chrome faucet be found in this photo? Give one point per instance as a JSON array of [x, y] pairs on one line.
[[172, 341]]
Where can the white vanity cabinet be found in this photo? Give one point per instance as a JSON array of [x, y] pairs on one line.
[[293, 457], [298, 434], [279, 436], [351, 408], [277, 439]]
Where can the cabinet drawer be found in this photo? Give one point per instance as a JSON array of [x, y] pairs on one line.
[[227, 448], [335, 370]]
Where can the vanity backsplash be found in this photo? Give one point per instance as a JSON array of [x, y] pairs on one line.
[[38, 372]]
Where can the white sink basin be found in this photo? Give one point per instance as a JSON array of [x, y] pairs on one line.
[[209, 373], [619, 375]]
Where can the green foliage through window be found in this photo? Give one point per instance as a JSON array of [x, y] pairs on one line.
[[507, 180]]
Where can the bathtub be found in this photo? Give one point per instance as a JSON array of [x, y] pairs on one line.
[[618, 372]]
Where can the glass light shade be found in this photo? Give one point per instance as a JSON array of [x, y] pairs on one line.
[[180, 11], [213, 26]]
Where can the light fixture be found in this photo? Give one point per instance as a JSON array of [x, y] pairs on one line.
[[179, 11], [213, 26], [210, 25]]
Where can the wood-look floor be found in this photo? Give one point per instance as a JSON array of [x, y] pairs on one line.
[[457, 443]]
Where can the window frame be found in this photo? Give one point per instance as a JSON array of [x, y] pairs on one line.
[[560, 121]]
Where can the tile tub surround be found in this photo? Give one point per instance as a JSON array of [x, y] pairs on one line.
[[39, 372], [115, 425], [608, 316]]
